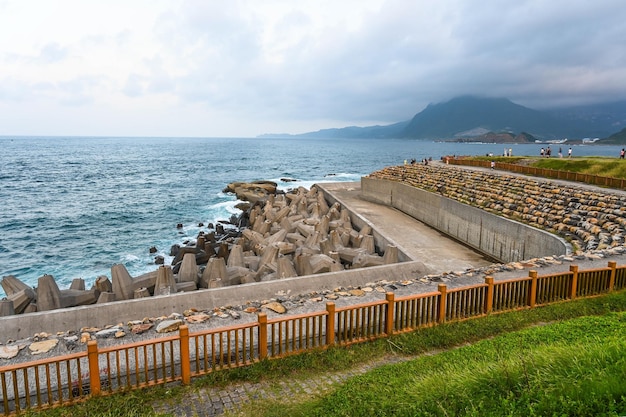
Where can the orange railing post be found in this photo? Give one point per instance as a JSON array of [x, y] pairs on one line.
[[330, 324], [613, 266], [390, 297], [489, 300], [262, 336], [443, 295], [532, 299], [574, 270], [94, 367], [185, 361]]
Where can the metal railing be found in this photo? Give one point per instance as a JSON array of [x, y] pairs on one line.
[[100, 371]]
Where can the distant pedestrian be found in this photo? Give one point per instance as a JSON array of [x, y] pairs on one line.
[[622, 153], [493, 164], [560, 153], [541, 152], [569, 152]]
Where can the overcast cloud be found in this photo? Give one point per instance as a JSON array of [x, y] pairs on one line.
[[243, 68]]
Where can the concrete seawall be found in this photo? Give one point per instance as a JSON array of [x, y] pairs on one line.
[[498, 237], [99, 315]]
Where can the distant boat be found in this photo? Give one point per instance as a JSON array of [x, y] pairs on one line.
[[589, 140]]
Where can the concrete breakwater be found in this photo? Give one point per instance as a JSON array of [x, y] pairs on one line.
[[588, 217], [286, 235]]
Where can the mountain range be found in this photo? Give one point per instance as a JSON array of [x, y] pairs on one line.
[[470, 117]]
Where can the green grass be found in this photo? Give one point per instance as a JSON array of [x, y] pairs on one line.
[[606, 167], [576, 367], [563, 359], [595, 165]]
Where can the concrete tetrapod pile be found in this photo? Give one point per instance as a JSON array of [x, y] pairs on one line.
[[590, 218], [287, 235]]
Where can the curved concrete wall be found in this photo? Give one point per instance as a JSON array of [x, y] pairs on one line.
[[359, 221], [498, 237]]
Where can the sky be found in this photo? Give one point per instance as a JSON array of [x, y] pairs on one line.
[[241, 68]]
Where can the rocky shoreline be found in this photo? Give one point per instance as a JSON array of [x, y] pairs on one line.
[[278, 235]]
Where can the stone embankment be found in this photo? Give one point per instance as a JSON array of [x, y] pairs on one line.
[[589, 218], [539, 203], [283, 235]]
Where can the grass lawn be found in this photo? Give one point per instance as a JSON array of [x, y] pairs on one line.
[[566, 359], [603, 166]]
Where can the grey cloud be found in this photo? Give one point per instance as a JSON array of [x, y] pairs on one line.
[[400, 58], [52, 53]]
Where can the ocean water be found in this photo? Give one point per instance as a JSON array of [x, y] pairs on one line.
[[72, 207]]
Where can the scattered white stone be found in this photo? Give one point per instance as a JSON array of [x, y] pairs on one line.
[[9, 352], [276, 307], [198, 318], [106, 333], [43, 346], [140, 328], [167, 326]]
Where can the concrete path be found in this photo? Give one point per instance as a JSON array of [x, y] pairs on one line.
[[210, 401], [418, 240]]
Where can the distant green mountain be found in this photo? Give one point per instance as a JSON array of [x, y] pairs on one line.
[[462, 114], [618, 138], [471, 116]]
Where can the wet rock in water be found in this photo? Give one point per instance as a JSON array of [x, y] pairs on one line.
[[174, 250], [153, 249]]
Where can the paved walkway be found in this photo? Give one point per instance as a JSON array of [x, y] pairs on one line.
[[416, 239], [210, 401]]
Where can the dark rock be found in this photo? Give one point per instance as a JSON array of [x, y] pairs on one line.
[[174, 250], [159, 260], [153, 249], [179, 226]]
